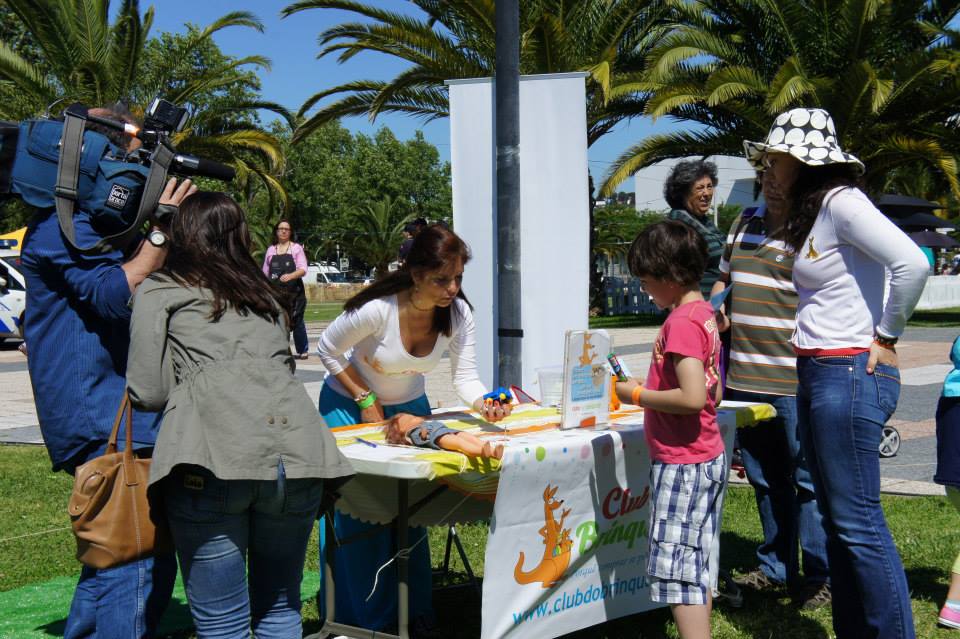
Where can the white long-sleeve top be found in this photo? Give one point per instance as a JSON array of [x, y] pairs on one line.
[[369, 340], [839, 275]]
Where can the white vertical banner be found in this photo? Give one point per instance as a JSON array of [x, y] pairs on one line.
[[554, 211]]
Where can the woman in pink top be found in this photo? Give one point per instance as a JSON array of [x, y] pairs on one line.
[[285, 264]]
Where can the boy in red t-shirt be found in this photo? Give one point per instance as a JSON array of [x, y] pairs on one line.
[[680, 396]]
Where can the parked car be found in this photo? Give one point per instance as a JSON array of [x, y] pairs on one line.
[[13, 293], [324, 273]]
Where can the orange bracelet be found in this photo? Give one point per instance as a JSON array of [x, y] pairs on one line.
[[635, 395]]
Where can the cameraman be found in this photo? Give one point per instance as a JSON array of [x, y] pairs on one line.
[[77, 325]]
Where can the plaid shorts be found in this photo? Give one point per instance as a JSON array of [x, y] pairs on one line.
[[683, 522]]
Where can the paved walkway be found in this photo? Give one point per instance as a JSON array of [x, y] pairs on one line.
[[923, 357]]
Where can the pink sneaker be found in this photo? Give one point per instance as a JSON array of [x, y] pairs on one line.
[[949, 617]]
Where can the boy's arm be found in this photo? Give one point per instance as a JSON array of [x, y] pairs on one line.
[[689, 399]]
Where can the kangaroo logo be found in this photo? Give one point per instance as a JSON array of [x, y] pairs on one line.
[[556, 542], [586, 357]]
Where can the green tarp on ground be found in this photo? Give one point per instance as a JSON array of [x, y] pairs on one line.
[[38, 611]]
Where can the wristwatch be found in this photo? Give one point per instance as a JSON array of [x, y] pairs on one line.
[[157, 237], [886, 342]]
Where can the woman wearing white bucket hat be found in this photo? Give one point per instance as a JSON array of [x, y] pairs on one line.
[[848, 380]]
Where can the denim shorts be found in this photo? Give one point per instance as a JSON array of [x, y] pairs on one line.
[[683, 522], [427, 434]]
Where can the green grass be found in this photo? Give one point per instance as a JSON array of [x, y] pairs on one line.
[[33, 500], [625, 321], [941, 318], [322, 311]]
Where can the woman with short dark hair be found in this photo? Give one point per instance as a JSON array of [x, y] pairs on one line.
[[689, 192]]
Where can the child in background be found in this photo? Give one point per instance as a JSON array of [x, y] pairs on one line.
[[680, 396], [948, 471]]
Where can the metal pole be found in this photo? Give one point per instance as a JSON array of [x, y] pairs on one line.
[[507, 85]]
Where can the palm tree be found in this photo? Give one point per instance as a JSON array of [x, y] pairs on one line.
[[86, 59], [887, 70], [455, 39], [380, 233]]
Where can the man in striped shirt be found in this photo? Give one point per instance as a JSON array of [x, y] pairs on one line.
[[762, 368]]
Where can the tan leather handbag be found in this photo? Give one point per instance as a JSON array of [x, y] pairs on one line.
[[109, 508]]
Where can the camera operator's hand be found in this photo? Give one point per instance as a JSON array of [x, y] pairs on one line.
[[148, 258], [174, 194]]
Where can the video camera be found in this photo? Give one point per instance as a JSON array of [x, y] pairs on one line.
[[63, 164]]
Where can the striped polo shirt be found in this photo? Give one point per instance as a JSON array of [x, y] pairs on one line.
[[762, 308]]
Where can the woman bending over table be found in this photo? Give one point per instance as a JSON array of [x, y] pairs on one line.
[[848, 380], [377, 352]]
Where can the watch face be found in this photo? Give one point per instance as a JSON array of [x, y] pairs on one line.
[[157, 238]]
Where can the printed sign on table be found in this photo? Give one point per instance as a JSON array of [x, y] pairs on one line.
[[568, 540], [586, 379]]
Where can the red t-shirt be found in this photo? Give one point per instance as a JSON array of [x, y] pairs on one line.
[[690, 331]]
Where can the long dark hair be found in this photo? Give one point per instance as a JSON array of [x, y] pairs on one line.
[[434, 247], [210, 247], [807, 193]]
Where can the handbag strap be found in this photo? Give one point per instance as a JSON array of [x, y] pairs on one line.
[[112, 441], [126, 409]]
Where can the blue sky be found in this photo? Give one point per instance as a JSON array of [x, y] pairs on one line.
[[297, 74]]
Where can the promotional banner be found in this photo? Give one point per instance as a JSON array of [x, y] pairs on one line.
[[568, 539]]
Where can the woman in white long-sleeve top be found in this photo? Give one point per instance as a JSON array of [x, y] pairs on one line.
[[377, 352], [847, 371]]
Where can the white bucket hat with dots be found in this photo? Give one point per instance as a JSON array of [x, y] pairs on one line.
[[807, 134]]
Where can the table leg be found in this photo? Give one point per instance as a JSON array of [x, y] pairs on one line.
[[403, 593], [330, 626], [328, 559]]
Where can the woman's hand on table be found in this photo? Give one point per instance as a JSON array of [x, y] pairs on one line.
[[881, 355], [493, 412], [372, 413]]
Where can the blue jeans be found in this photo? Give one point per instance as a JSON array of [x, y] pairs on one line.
[[784, 491], [300, 342], [841, 411], [225, 530], [355, 564], [122, 602]]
